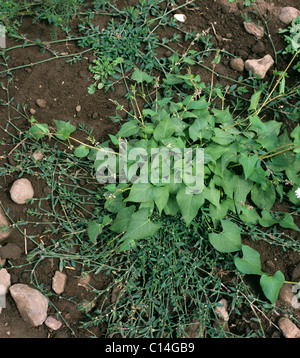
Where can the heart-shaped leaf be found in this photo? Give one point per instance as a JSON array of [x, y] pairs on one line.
[[229, 240], [250, 263], [271, 285]]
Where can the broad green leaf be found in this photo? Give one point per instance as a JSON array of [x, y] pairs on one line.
[[222, 137], [229, 240], [141, 192], [128, 129], [94, 229], [140, 226], [171, 207], [250, 262], [164, 129], [219, 212], [263, 199], [248, 163], [63, 129], [121, 222], [199, 104], [161, 197], [249, 215], [38, 131], [212, 194], [267, 219], [257, 123], [189, 204], [271, 285], [288, 222], [254, 100], [223, 117], [242, 189], [140, 76], [81, 151]]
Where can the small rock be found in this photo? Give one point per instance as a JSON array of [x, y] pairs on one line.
[[42, 103], [38, 155], [221, 311], [21, 190], [251, 28], [4, 226], [288, 14], [32, 111], [237, 64], [31, 303], [78, 108], [193, 330], [4, 280], [59, 282], [296, 274], [288, 328], [259, 67], [53, 323], [10, 251], [95, 115], [286, 294], [180, 17]]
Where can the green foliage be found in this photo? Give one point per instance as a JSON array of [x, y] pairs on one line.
[[292, 37]]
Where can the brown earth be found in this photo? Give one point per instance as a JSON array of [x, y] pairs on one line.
[[64, 86]]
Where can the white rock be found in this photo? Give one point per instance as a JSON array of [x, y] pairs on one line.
[[5, 232], [59, 282], [38, 155], [180, 17], [288, 328], [286, 294], [21, 190], [4, 280], [259, 67], [221, 311], [31, 303], [251, 28], [288, 14], [53, 323]]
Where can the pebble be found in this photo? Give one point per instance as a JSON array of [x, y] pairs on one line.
[[259, 67], [4, 280], [31, 303], [4, 223], [53, 323], [32, 111], [42, 103], [237, 64], [288, 14], [251, 28], [59, 282], [286, 294], [21, 191], [180, 17], [38, 155], [5, 283], [288, 328], [78, 108], [221, 311]]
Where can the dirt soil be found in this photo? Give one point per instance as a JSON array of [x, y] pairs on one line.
[[64, 86]]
